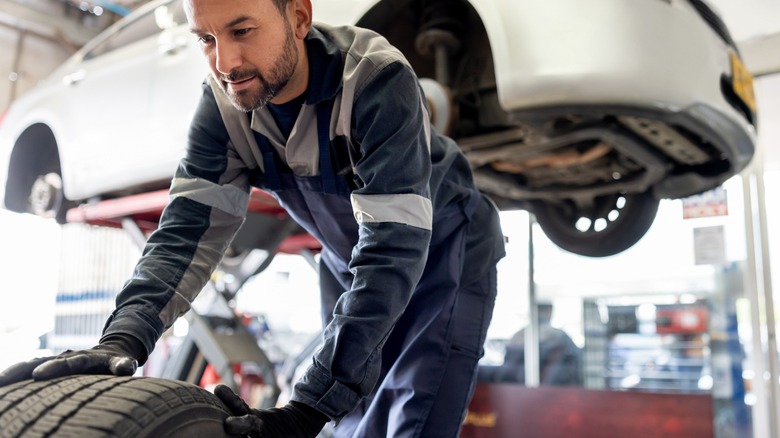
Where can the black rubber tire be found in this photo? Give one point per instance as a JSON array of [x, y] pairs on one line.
[[91, 406], [635, 217]]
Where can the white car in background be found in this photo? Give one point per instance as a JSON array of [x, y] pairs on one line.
[[586, 113]]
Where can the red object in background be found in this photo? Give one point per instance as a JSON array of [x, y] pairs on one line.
[[249, 384], [681, 320], [507, 411], [210, 378], [145, 210]]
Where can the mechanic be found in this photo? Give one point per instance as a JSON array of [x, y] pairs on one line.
[[560, 359], [332, 121]]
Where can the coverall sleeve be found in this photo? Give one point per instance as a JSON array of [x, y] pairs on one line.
[[209, 195], [394, 211]]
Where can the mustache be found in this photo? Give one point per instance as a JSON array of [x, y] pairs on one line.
[[239, 75]]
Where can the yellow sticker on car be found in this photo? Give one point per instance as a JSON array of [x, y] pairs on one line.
[[742, 81]]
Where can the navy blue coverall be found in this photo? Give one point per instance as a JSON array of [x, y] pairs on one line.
[[408, 277]]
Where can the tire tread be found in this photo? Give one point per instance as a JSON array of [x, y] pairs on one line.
[[99, 406]]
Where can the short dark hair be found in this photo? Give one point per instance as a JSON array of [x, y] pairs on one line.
[[281, 5]]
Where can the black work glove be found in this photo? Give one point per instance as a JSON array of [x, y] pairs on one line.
[[294, 420], [116, 354]]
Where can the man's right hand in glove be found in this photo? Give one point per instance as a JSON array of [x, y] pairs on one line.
[[294, 420], [116, 354]]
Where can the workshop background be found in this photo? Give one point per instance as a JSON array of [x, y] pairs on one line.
[[703, 276]]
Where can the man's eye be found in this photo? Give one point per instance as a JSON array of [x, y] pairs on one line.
[[206, 39], [241, 32]]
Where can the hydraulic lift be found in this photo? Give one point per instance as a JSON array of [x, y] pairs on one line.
[[217, 336]]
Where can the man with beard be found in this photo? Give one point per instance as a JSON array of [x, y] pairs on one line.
[[332, 121]]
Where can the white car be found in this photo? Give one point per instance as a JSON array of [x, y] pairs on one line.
[[586, 113]]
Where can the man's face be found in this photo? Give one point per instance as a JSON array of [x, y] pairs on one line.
[[250, 47]]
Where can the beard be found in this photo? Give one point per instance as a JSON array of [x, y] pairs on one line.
[[270, 84]]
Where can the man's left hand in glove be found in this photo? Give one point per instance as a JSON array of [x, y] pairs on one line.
[[294, 420], [116, 354]]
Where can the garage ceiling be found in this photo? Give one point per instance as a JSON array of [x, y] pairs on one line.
[[46, 20], [755, 24], [750, 19]]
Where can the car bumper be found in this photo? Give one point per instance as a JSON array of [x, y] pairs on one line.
[[648, 58]]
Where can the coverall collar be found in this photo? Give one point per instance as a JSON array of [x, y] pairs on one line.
[[325, 67]]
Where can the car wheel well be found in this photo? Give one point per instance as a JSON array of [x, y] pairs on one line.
[[35, 153], [470, 70]]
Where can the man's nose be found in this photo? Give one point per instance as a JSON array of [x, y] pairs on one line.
[[228, 57]]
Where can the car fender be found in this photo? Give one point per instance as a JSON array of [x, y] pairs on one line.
[[5, 154], [341, 12], [36, 107], [568, 54], [556, 52], [545, 50]]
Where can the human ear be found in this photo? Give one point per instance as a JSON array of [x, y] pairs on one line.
[[302, 17]]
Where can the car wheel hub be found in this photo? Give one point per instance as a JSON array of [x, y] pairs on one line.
[[45, 195]]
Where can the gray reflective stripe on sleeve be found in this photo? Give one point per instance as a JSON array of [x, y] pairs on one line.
[[176, 307], [426, 122], [228, 198], [409, 209], [210, 250]]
